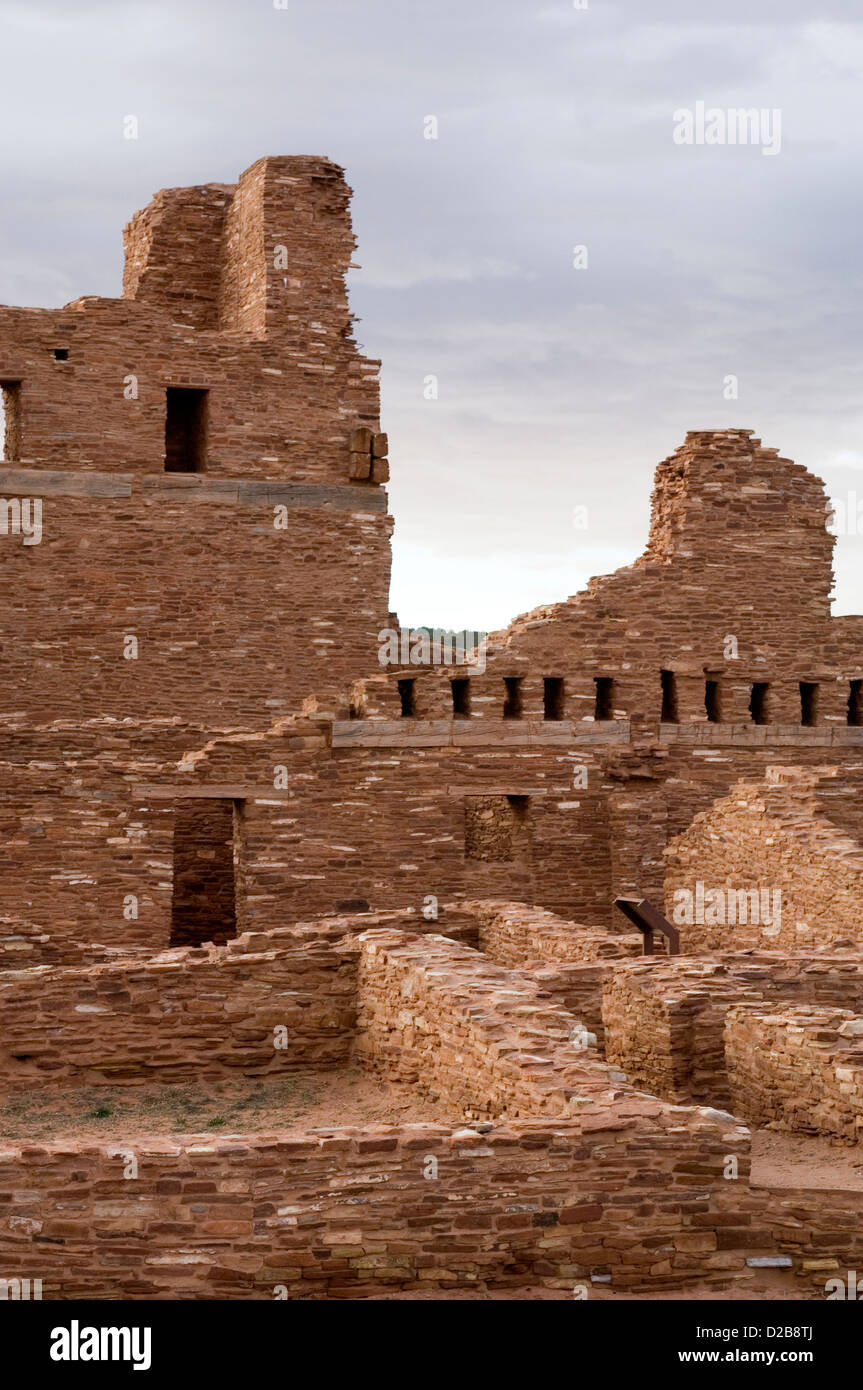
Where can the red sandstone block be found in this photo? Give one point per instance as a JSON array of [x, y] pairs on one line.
[[382, 1145], [580, 1215]]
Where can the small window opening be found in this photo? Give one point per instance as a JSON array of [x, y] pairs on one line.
[[407, 695], [553, 697], [669, 697], [758, 704], [855, 704], [604, 703], [808, 703], [713, 702], [61, 354], [512, 705], [185, 430], [461, 698], [10, 434]]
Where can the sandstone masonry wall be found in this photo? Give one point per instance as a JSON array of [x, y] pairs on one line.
[[801, 1069], [184, 1015], [768, 837], [352, 1213], [439, 1015], [665, 1019]]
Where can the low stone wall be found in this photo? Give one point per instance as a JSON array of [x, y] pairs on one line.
[[664, 1027], [188, 1013], [665, 1019], [439, 1015], [512, 933], [610, 1196], [818, 1230], [801, 1069], [569, 1178], [568, 961]]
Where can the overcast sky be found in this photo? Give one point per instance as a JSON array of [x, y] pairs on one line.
[[558, 388]]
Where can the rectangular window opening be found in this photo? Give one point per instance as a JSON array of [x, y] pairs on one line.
[[759, 702], [713, 701], [207, 843], [407, 695], [461, 697], [604, 702], [855, 704], [808, 703], [669, 697], [10, 421], [553, 697], [512, 705], [186, 429]]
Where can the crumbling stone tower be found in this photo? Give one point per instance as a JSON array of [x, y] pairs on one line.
[[214, 550], [209, 453]]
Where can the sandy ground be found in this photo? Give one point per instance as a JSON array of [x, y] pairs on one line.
[[319, 1099], [303, 1101], [800, 1160]]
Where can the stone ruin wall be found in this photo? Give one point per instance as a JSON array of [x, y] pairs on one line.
[[550, 1190], [665, 1020], [557, 783], [589, 1182], [88, 826], [258, 647], [237, 621], [442, 1017], [798, 1069], [771, 837], [184, 1015]]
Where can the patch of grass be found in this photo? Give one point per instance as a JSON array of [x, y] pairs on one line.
[[216, 1122], [101, 1112]]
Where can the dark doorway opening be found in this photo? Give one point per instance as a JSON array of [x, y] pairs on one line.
[[604, 703], [758, 704], [669, 697], [185, 430], [713, 701], [207, 840], [808, 703], [855, 704], [512, 705]]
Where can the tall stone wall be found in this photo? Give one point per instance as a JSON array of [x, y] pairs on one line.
[[217, 632], [254, 578]]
